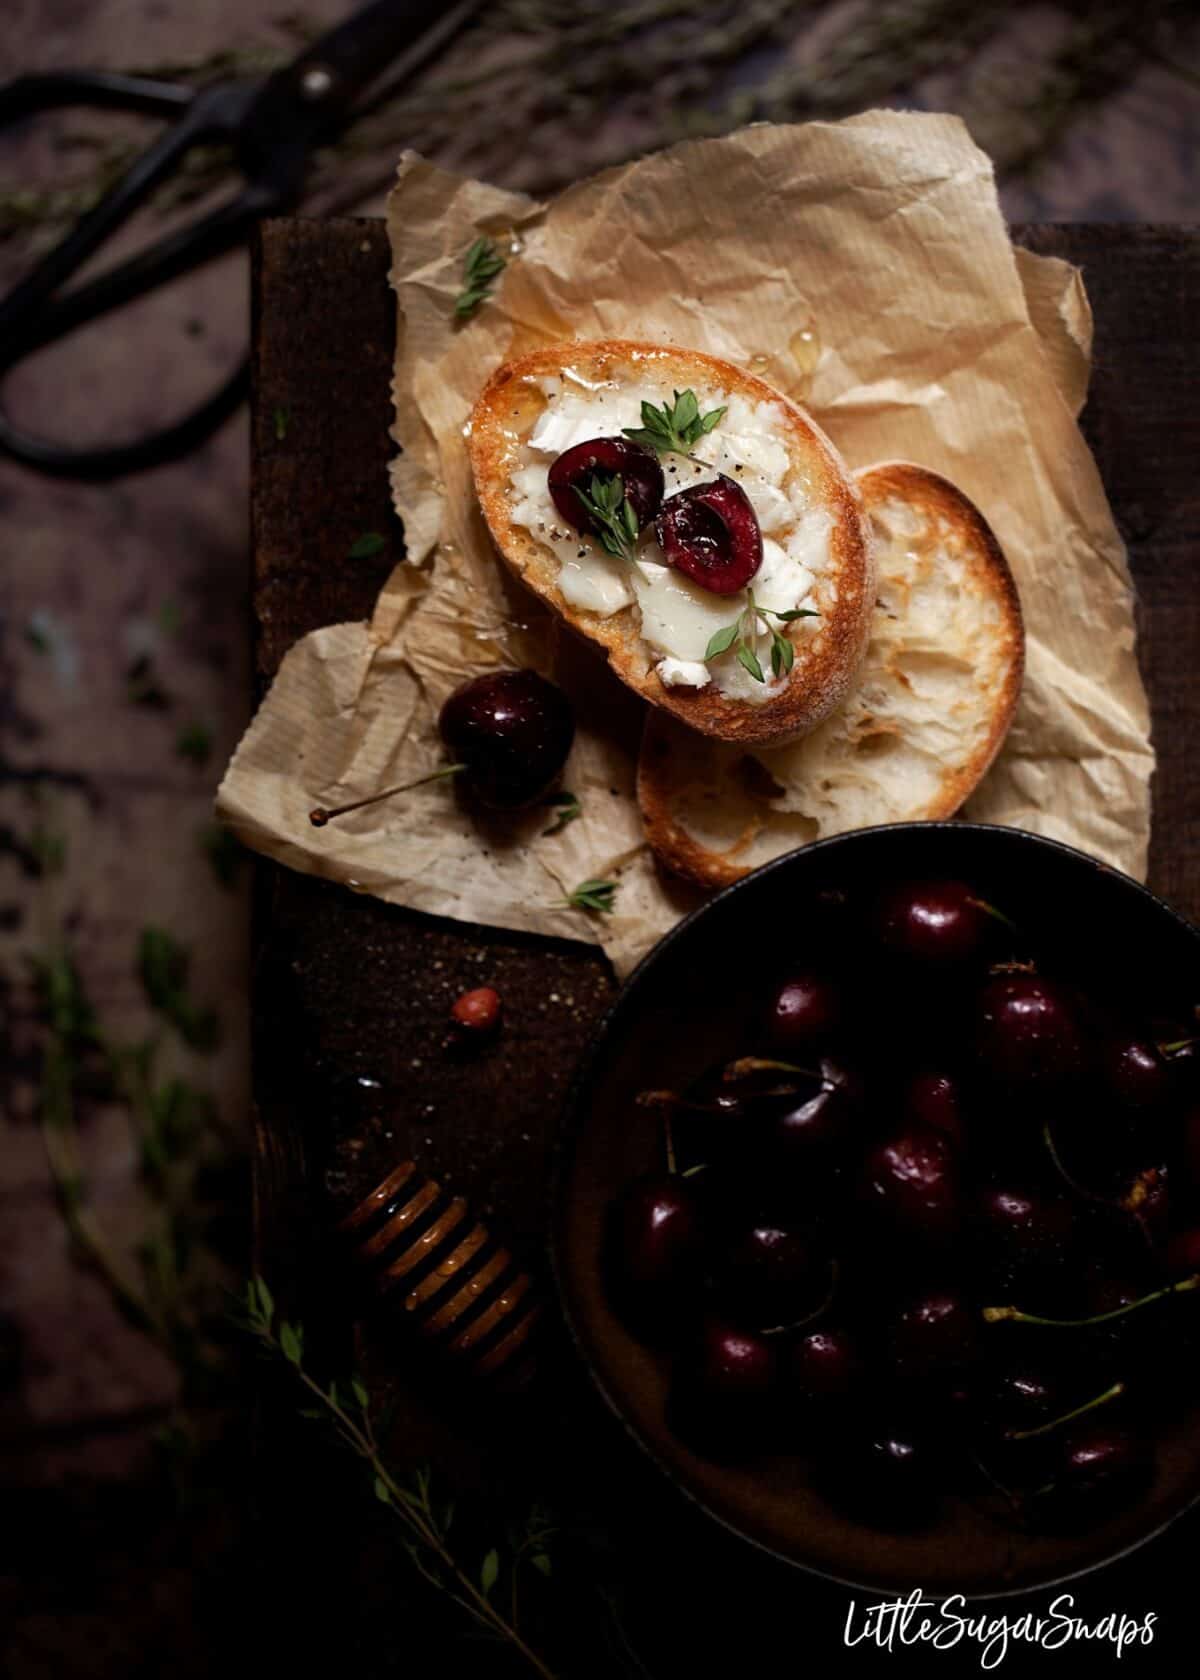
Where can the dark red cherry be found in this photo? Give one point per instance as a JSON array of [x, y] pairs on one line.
[[935, 1344], [722, 1398], [938, 924], [513, 731], [1183, 1253], [710, 533], [883, 1476], [1133, 1074], [769, 1276], [825, 1370], [1020, 1397], [933, 1101], [819, 1124], [911, 1183], [1098, 1469], [1022, 1232], [607, 458], [805, 1011], [1191, 1147], [654, 1243], [1028, 1034]]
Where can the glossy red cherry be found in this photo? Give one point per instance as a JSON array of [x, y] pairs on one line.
[[825, 1369], [935, 1344], [710, 533], [884, 1476], [1021, 1397], [1133, 1074], [654, 1244], [1098, 1469], [938, 924], [1028, 1033], [513, 731], [804, 1012], [607, 458], [933, 1101], [819, 1124], [769, 1276], [911, 1182], [1021, 1232], [722, 1394]]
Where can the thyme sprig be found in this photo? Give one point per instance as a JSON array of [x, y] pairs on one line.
[[481, 265], [347, 1408], [676, 427], [744, 631], [597, 896], [612, 514]]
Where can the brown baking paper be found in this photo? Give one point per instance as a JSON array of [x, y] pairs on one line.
[[861, 266]]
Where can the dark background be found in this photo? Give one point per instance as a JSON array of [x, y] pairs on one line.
[[126, 680]]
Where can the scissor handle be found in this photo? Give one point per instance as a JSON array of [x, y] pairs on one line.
[[27, 94]]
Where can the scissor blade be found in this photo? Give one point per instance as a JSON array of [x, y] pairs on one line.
[[312, 98]]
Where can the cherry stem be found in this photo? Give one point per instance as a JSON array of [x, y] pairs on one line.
[[809, 1318], [669, 1143], [762, 1064], [991, 910], [1174, 1045], [322, 814], [1073, 1183], [996, 1315], [1067, 1417]]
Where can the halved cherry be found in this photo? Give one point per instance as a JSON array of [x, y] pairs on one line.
[[710, 533], [606, 457]]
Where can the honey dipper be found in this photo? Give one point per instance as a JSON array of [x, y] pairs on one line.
[[463, 1290]]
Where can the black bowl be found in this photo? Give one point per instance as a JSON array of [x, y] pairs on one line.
[[690, 1003]]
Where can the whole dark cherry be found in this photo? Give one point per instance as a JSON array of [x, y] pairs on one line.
[[1098, 1468], [513, 731], [1022, 1232], [607, 458], [938, 924], [653, 1250], [818, 1124], [804, 1011], [1028, 1035], [769, 1276], [1020, 1397], [825, 1370], [722, 1392], [1183, 1253], [1134, 1074], [884, 1475], [934, 1101], [935, 1344], [911, 1183], [710, 533]]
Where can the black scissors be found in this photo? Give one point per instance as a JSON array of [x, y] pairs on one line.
[[272, 124]]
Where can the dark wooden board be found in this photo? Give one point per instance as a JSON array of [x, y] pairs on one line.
[[350, 995]]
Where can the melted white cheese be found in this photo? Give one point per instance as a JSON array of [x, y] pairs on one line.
[[678, 617]]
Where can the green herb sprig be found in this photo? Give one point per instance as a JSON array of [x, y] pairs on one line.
[[676, 427], [597, 896], [745, 628], [612, 514], [426, 1522], [481, 265], [568, 808]]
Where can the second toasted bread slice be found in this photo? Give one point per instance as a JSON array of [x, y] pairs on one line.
[[656, 625], [924, 720]]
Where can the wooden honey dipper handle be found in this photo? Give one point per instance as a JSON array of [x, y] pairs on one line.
[[462, 1290]]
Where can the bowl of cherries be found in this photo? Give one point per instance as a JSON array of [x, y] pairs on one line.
[[877, 1209]]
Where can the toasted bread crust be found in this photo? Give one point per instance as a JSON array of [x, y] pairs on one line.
[[827, 658], [659, 769]]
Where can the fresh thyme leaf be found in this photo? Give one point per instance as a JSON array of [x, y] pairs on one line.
[[748, 658], [797, 612], [382, 1491], [291, 1340], [490, 1572], [266, 1301], [481, 265], [612, 514], [280, 417], [163, 966], [568, 807], [675, 427], [224, 852], [722, 640], [362, 548], [360, 1390], [593, 895]]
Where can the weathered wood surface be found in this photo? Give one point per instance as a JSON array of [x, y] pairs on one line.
[[351, 995]]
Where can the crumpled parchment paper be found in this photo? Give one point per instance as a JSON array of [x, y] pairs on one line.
[[861, 266]]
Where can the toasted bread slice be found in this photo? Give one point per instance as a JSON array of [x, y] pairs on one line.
[[815, 539], [925, 719]]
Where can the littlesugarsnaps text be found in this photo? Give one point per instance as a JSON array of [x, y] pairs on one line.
[[892, 1624]]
